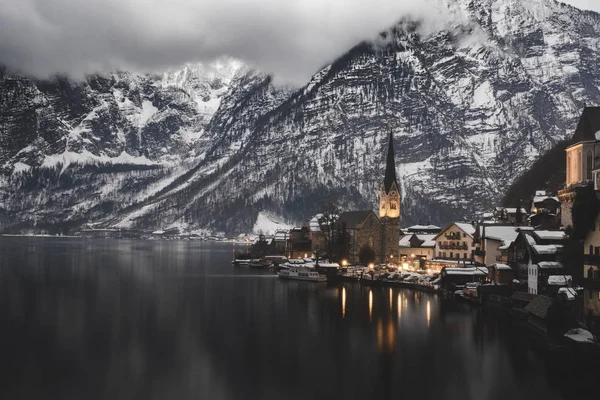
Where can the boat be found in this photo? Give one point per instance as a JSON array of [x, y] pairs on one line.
[[258, 263], [241, 263], [302, 274]]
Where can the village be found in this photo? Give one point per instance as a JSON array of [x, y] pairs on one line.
[[538, 260]]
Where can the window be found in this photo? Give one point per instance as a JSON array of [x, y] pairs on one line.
[[451, 255], [464, 235], [393, 205], [589, 165], [597, 251], [591, 249], [465, 255]]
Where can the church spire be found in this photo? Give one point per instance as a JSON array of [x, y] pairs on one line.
[[390, 167]]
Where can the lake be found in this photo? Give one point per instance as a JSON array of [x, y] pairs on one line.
[[143, 319]]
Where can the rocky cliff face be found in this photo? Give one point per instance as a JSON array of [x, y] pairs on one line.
[[471, 106]]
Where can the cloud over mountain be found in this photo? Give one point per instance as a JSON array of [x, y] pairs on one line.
[[288, 38]]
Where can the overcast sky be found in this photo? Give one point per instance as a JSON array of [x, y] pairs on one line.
[[290, 38]]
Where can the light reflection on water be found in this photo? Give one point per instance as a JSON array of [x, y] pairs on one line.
[[124, 319]]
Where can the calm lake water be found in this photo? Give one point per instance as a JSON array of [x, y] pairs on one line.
[[135, 319]]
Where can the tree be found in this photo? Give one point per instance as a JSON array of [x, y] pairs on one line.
[[327, 222], [366, 255], [340, 247]]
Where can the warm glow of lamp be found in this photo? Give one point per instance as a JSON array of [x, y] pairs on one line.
[[412, 256], [405, 265], [391, 256], [305, 255], [344, 263], [371, 266]]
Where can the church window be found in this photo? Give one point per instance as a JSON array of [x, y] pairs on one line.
[[393, 205], [371, 241]]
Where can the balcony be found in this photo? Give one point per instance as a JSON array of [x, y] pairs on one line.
[[453, 246]]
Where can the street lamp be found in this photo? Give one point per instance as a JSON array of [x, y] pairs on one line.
[[344, 263]]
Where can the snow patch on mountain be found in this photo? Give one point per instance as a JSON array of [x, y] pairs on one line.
[[268, 224]]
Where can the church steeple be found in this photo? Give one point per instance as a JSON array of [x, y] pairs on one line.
[[390, 167], [389, 195]]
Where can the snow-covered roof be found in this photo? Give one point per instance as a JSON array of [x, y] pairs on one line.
[[281, 235], [580, 335], [488, 215], [501, 233], [405, 240], [513, 210], [505, 245], [539, 199], [314, 223], [466, 271], [569, 292], [422, 227], [467, 228], [546, 248], [549, 264], [530, 239], [428, 240], [158, 232], [550, 235], [501, 266], [559, 279]]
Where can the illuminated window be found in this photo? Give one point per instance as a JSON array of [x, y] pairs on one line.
[[393, 205]]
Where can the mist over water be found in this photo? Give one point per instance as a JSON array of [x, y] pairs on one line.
[[118, 319]]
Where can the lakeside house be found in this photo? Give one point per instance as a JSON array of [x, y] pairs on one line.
[[455, 242]]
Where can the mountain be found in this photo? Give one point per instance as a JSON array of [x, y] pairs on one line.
[[471, 104]]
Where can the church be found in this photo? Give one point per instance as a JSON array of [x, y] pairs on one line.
[[380, 231]]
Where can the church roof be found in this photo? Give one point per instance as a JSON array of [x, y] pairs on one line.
[[390, 166], [354, 218], [588, 125]]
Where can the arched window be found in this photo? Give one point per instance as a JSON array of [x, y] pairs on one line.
[[590, 165], [591, 249]]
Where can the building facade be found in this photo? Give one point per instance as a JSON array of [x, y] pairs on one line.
[[455, 242]]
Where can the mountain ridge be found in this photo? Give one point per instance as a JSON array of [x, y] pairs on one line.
[[470, 112]]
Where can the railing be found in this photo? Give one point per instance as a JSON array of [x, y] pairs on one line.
[[453, 246]]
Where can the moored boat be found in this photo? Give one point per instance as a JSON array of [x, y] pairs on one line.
[[302, 274]]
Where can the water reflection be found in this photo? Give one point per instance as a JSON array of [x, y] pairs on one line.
[[343, 302], [370, 305], [428, 312], [174, 320]]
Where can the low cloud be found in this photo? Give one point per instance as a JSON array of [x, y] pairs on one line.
[[288, 38]]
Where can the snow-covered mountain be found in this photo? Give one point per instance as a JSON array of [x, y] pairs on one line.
[[471, 104]]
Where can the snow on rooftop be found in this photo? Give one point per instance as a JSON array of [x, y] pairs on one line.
[[501, 233], [578, 334], [467, 228], [428, 240], [550, 264], [546, 248], [423, 227], [569, 292], [539, 199], [502, 266], [559, 279], [405, 240], [550, 235], [531, 240], [466, 271]]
